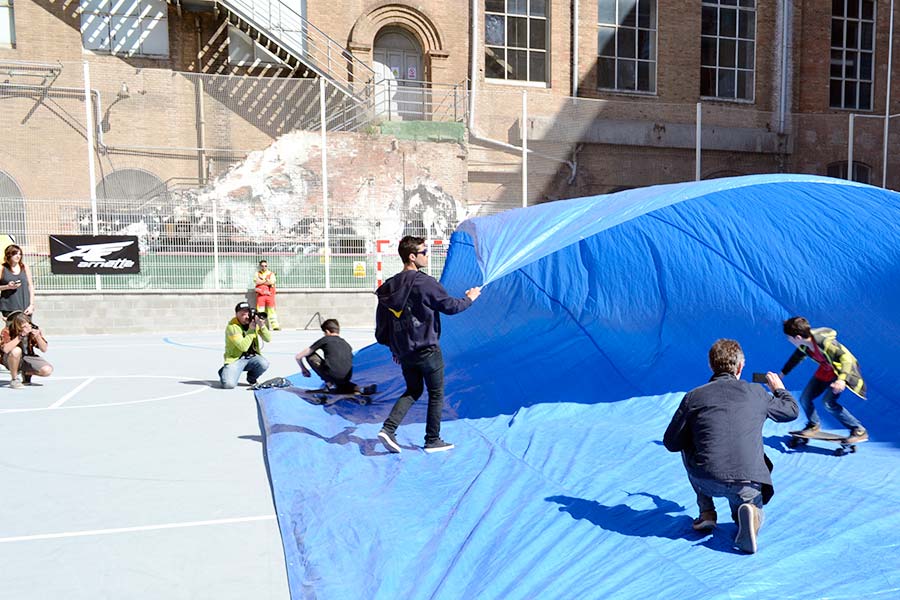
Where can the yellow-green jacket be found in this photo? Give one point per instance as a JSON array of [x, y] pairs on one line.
[[238, 340], [842, 361]]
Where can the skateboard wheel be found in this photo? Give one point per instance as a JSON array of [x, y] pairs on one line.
[[792, 443], [853, 448], [839, 452]]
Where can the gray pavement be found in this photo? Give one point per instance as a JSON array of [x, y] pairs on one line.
[[127, 474]]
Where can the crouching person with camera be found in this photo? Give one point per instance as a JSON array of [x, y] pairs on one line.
[[18, 342], [243, 349]]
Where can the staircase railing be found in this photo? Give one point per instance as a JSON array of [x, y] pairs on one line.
[[296, 35]]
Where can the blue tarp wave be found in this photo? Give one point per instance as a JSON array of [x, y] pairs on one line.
[[596, 316]]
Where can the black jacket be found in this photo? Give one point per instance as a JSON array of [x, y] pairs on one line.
[[718, 426], [408, 314]]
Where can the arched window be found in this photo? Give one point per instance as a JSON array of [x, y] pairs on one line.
[[12, 209], [131, 188], [128, 201], [861, 171]]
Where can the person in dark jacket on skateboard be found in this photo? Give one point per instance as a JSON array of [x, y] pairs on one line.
[[838, 371], [408, 320], [718, 430]]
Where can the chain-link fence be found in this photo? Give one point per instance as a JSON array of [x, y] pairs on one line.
[[215, 172], [207, 252], [575, 147]]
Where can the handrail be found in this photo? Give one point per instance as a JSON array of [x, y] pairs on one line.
[[419, 100], [298, 36]]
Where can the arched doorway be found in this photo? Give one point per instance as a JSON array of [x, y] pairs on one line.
[[398, 62]]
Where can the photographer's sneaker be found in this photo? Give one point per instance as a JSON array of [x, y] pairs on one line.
[[748, 526], [390, 442], [438, 445], [26, 379], [16, 384]]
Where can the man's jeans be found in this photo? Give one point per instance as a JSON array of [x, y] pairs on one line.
[[812, 390], [317, 364], [737, 493], [254, 365], [421, 369]]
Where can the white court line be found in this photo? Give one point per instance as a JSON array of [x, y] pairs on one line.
[[62, 400], [128, 402], [73, 534], [135, 376]]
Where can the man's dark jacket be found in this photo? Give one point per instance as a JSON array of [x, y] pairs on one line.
[[718, 426], [408, 314]]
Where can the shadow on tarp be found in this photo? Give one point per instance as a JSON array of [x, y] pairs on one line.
[[654, 522], [367, 447]]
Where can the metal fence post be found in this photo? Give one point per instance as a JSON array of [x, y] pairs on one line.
[[455, 101], [887, 103], [325, 183], [92, 175], [524, 133], [215, 219], [850, 148], [698, 134]]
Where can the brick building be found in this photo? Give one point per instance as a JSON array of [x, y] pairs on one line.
[[776, 81]]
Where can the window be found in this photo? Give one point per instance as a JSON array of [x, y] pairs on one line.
[[244, 51], [626, 44], [852, 52], [129, 28], [728, 49], [861, 171], [515, 40], [7, 24]]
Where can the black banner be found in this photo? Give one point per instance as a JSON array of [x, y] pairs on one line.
[[90, 254]]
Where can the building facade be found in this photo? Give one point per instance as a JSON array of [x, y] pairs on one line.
[[606, 92]]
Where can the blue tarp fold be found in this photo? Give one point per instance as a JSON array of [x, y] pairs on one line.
[[596, 316]]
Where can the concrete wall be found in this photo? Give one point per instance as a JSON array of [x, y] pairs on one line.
[[69, 313]]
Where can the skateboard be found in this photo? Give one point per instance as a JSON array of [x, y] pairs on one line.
[[799, 438], [328, 397]]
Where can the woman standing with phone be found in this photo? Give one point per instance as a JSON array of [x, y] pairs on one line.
[[16, 289]]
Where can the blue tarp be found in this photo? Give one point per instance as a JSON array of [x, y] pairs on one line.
[[596, 316]]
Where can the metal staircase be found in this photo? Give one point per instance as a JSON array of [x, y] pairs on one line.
[[288, 35]]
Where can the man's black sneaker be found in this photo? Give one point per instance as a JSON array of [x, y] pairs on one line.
[[26, 379], [390, 442], [438, 445]]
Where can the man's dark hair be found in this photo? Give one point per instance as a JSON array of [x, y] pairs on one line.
[[409, 245], [263, 261], [331, 326], [797, 326], [725, 356]]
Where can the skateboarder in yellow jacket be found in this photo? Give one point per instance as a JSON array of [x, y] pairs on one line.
[[838, 370]]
